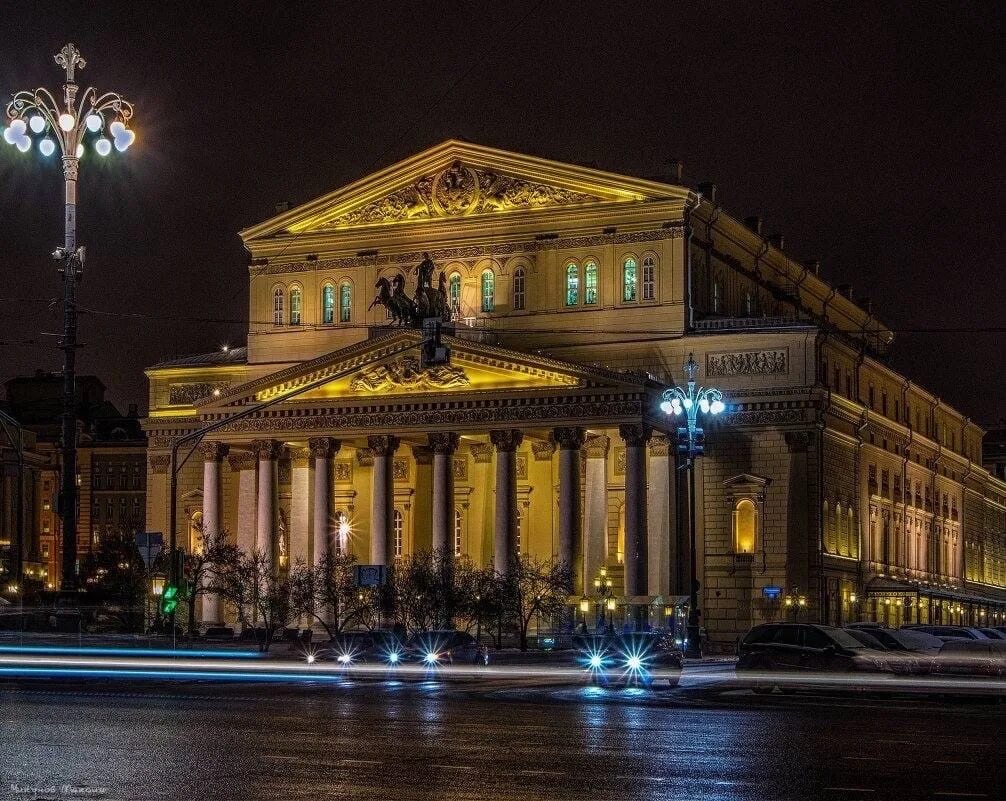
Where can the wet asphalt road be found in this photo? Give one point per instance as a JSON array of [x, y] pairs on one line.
[[152, 740]]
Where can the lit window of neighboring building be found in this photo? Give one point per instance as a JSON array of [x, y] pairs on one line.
[[572, 285], [629, 280], [345, 302], [488, 291], [277, 306], [295, 306], [519, 298], [454, 294], [590, 283], [649, 278], [397, 526], [328, 304]]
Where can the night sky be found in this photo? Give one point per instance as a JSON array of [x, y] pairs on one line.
[[868, 133]]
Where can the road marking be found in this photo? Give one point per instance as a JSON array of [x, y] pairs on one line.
[[850, 789], [360, 762], [453, 767], [962, 795], [645, 778], [541, 773], [953, 762], [863, 758]]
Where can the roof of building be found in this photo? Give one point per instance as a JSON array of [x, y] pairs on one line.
[[229, 356]]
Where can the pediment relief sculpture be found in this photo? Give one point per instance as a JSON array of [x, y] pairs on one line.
[[408, 373], [458, 191]]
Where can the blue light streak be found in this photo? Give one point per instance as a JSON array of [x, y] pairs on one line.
[[81, 651]]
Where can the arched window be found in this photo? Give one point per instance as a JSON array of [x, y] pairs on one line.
[[345, 302], [749, 304], [590, 283], [454, 294], [397, 526], [572, 285], [295, 306], [458, 531], [277, 306], [717, 296], [488, 291], [328, 304], [629, 280], [745, 526], [518, 289], [649, 278]]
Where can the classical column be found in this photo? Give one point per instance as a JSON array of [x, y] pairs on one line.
[[382, 498], [322, 451], [635, 437], [570, 441], [268, 453], [244, 463], [213, 454], [658, 515], [505, 532], [301, 502], [443, 446], [595, 551]]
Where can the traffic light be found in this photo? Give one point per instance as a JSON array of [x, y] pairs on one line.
[[698, 442], [169, 600], [683, 440]]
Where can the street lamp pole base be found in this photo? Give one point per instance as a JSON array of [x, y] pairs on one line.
[[693, 645]]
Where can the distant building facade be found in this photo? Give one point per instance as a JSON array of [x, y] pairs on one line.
[[576, 296], [111, 474]]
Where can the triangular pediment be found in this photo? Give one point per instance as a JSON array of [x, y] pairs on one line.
[[389, 366], [460, 179]]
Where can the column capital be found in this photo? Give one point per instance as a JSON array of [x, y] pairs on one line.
[[570, 438], [542, 449], [323, 447], [444, 442], [597, 446], [300, 457], [481, 452], [506, 439], [383, 444], [799, 441], [422, 454], [242, 460], [266, 448], [635, 434], [159, 463], [213, 451], [660, 445]]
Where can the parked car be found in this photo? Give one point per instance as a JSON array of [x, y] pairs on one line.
[[445, 647], [909, 652], [378, 645], [992, 634], [806, 648], [971, 658], [948, 632], [635, 658]]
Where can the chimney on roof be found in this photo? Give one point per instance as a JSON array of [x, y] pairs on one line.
[[282, 207], [708, 190], [845, 290], [814, 265], [777, 241], [754, 223]]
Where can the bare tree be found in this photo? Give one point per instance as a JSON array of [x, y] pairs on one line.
[[536, 587], [211, 549], [418, 592], [258, 594], [328, 593], [478, 597]]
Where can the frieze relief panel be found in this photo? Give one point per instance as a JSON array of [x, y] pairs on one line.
[[750, 362], [619, 461], [460, 466], [188, 393], [344, 471], [521, 467], [400, 470], [408, 373]]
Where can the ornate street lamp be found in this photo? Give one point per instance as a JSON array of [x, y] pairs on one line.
[[690, 402], [69, 126]]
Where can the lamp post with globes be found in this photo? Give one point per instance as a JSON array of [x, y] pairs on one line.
[[690, 402], [65, 126]]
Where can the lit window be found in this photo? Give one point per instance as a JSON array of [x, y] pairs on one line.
[[345, 302], [717, 296], [454, 293], [488, 291], [749, 304], [277, 306], [590, 283], [572, 285], [458, 531], [328, 304], [745, 522], [397, 525], [629, 280], [649, 278], [295, 306], [518, 289]]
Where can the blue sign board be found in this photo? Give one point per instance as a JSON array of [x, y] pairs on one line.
[[771, 592]]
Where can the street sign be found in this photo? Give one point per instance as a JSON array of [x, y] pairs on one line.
[[370, 575], [772, 592]]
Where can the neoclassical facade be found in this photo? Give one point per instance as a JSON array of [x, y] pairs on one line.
[[576, 296]]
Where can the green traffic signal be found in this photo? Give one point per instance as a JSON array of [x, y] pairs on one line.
[[169, 600]]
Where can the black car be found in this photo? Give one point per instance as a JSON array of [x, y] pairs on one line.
[[366, 646], [805, 647], [635, 658], [445, 647]]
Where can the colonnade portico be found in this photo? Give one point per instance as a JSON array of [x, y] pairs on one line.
[[578, 459]]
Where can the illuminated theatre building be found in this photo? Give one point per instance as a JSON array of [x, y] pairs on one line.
[[576, 297]]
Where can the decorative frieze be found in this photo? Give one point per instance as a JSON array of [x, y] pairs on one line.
[[597, 446], [749, 362], [186, 394], [408, 373], [400, 469], [660, 445], [242, 460], [343, 470], [542, 449], [619, 460], [481, 452], [364, 457], [460, 467], [159, 463], [763, 417], [521, 467]]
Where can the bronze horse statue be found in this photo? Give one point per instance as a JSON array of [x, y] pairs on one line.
[[398, 304]]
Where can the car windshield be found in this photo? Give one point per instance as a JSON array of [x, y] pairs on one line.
[[916, 640], [844, 638]]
